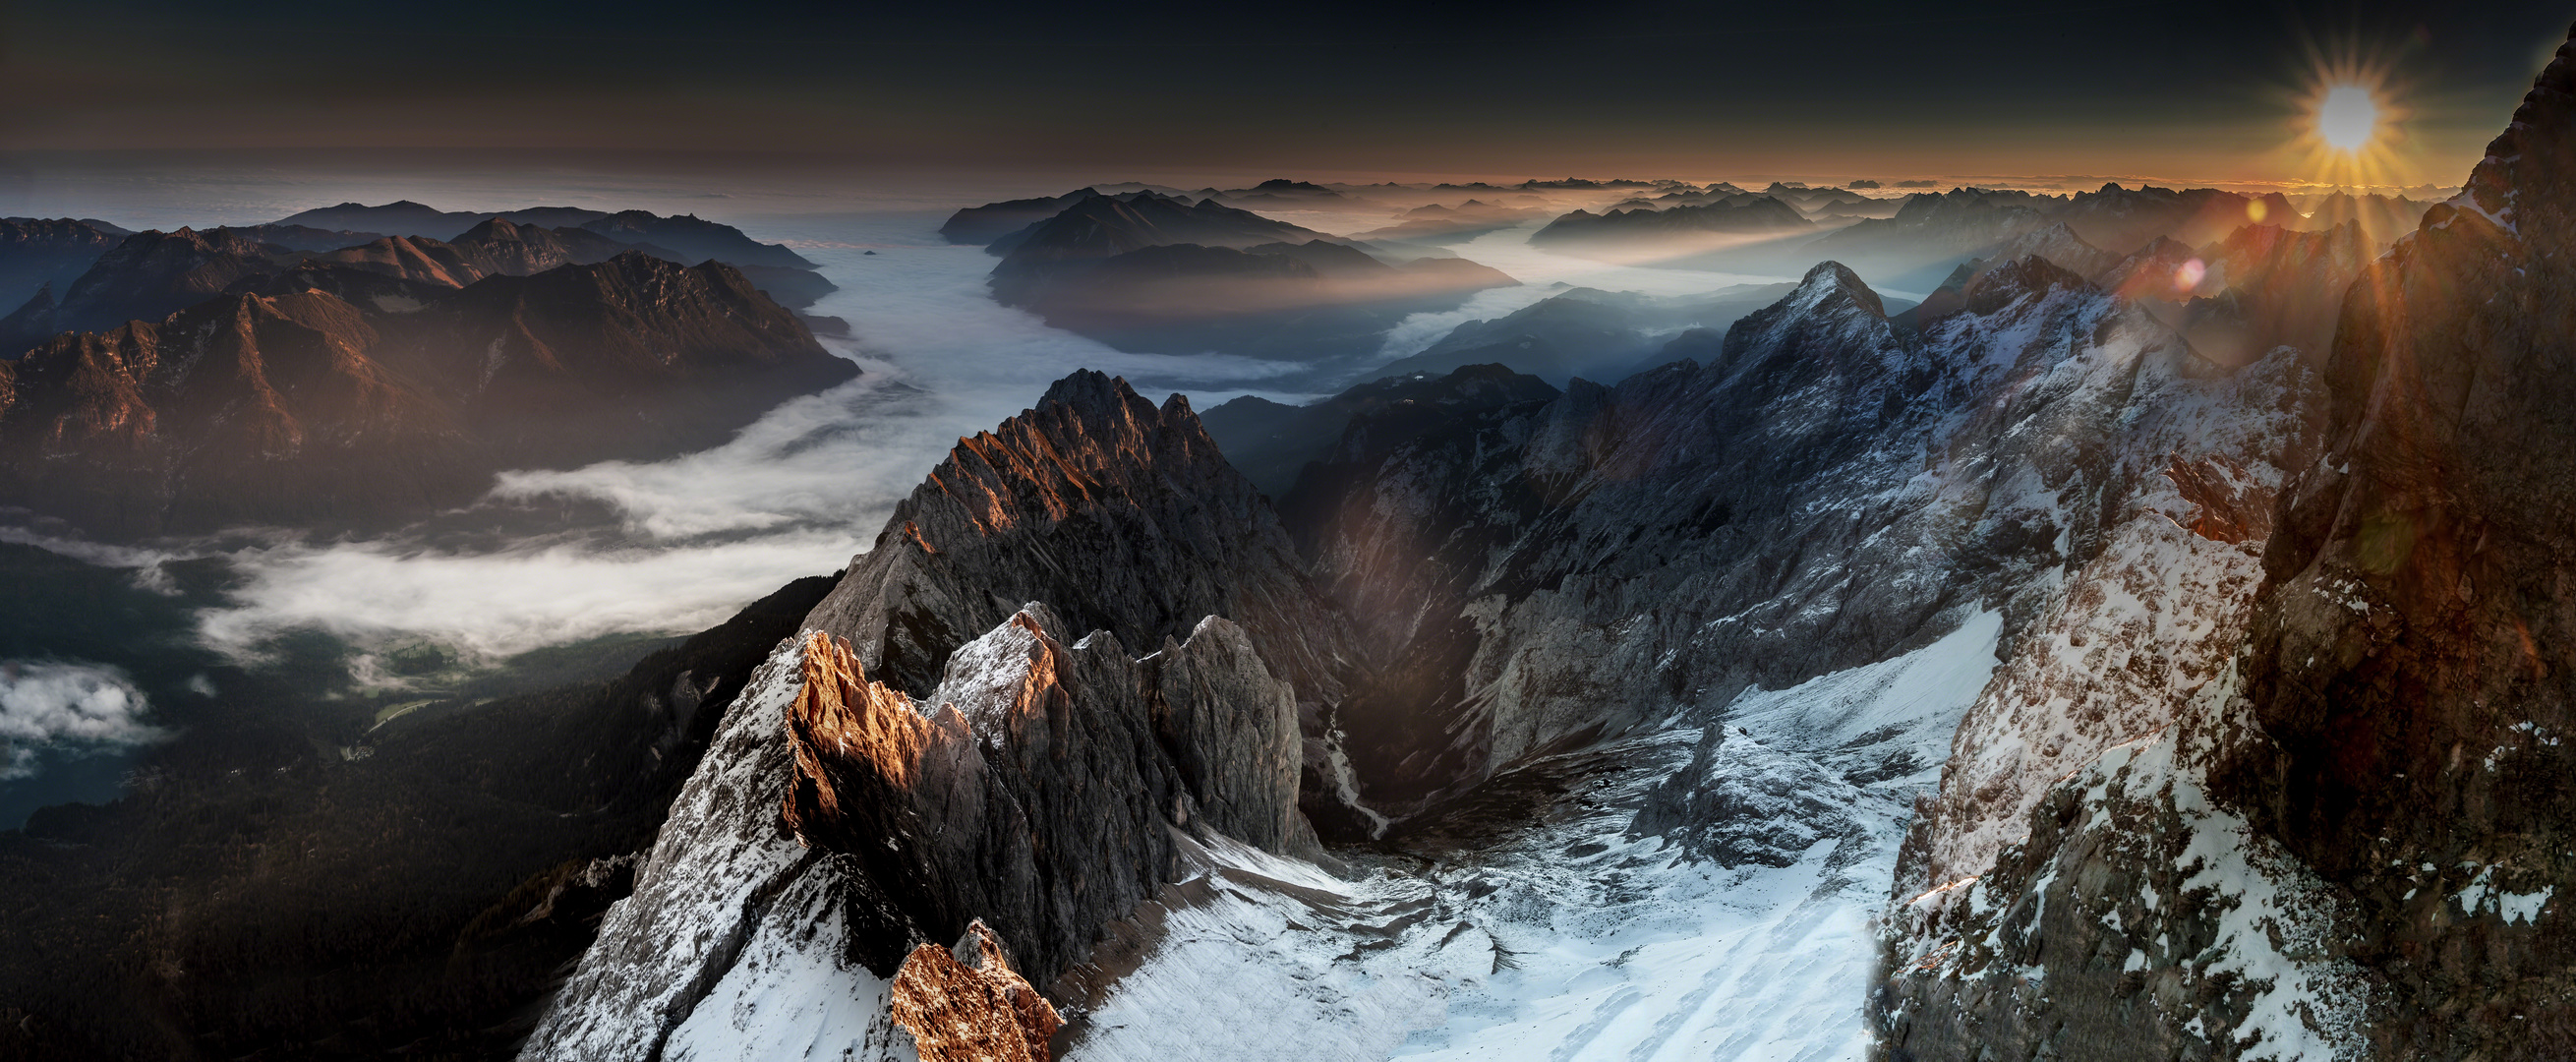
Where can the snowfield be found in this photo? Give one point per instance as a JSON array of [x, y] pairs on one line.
[[1560, 935]]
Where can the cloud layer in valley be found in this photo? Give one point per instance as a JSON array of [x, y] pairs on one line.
[[795, 494], [48, 706]]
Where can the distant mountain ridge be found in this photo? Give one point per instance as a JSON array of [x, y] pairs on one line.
[[41, 252], [296, 406], [687, 234], [1713, 225], [145, 276], [1146, 271]]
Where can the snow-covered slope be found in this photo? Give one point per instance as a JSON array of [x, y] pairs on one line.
[[1536, 921]]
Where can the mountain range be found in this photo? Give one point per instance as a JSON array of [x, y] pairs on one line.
[[1677, 230], [358, 396], [145, 276]]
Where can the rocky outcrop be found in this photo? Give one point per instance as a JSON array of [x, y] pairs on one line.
[[303, 408], [1038, 783], [1036, 790], [967, 1005], [836, 827]]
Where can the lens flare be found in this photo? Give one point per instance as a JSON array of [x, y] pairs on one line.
[[2188, 275], [2347, 117]]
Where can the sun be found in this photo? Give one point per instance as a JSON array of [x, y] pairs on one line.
[[2347, 117], [2347, 120]]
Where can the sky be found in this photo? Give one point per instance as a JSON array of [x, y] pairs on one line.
[[2180, 92]]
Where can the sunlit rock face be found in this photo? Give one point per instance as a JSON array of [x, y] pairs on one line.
[[968, 1005], [1037, 790], [1119, 514]]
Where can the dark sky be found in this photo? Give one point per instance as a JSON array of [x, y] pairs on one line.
[[2175, 90]]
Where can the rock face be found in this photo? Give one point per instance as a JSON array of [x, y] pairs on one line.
[[2344, 833], [2409, 673], [1039, 784], [305, 408], [1037, 789]]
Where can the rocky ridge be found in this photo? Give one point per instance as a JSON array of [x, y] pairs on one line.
[[1041, 785]]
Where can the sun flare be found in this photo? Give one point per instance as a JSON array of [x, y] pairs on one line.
[[2348, 123], [2347, 117]]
